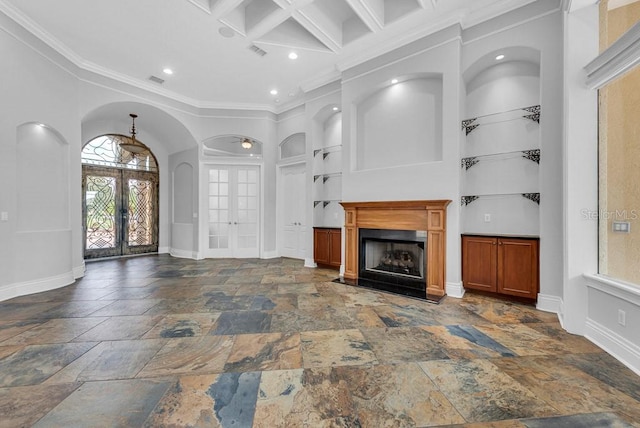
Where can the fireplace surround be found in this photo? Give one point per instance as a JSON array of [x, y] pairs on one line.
[[409, 223]]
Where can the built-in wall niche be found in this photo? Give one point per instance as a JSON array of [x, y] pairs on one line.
[[400, 124], [501, 144], [293, 146], [327, 168], [42, 183], [232, 146]]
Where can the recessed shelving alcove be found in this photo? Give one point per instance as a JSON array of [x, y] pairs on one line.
[[499, 166]]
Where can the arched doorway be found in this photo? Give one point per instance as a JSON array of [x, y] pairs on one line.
[[119, 197]]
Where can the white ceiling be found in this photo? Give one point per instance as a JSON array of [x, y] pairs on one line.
[[131, 40]]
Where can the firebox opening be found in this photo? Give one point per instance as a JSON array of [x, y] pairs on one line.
[[394, 260]]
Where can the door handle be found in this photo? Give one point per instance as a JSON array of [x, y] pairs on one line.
[[235, 222]]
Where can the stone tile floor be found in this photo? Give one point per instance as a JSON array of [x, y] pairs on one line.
[[158, 341]]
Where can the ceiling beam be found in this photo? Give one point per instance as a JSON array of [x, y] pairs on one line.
[[366, 15], [316, 29]]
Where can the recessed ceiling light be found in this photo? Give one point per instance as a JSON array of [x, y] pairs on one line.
[[292, 94], [293, 55], [226, 32], [394, 81], [335, 109], [274, 92], [499, 57], [277, 100], [167, 71]]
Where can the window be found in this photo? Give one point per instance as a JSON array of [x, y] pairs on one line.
[[619, 150], [106, 151]]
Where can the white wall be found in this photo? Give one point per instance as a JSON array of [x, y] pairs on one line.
[[437, 55], [518, 29], [184, 203], [37, 251]]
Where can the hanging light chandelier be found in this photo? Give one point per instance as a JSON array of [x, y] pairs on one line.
[[132, 145]]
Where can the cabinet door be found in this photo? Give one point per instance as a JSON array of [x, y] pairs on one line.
[[335, 247], [518, 267], [479, 266], [321, 246]]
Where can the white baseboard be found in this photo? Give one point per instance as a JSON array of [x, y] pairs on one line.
[[163, 250], [341, 271], [78, 271], [270, 254], [38, 286], [310, 263], [549, 303], [455, 289], [183, 254], [628, 353]]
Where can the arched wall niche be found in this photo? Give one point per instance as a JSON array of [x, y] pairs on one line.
[[497, 92], [183, 198], [232, 146], [400, 123], [293, 146], [42, 156], [499, 85]]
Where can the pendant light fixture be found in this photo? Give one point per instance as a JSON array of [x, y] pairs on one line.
[[132, 145]]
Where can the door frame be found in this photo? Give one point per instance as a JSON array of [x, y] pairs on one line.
[[280, 200], [122, 176], [203, 200], [281, 166]]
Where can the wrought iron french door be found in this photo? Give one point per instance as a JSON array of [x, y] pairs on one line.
[[120, 212]]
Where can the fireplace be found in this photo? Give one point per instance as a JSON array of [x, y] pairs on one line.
[[381, 237], [393, 260]]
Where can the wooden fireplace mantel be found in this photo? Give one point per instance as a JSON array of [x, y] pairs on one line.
[[400, 215]]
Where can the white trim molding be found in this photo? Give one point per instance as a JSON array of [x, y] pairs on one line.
[[78, 271], [163, 250], [455, 289], [37, 286], [548, 303], [617, 59], [183, 254], [310, 263], [600, 325], [625, 351], [270, 254]]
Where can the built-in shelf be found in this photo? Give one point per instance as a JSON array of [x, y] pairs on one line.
[[532, 155], [531, 113], [325, 202], [325, 177], [326, 151], [466, 200]]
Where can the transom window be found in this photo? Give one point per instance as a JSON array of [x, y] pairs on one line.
[[106, 151]]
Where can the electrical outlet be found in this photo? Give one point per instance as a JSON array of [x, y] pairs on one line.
[[622, 317], [487, 218]]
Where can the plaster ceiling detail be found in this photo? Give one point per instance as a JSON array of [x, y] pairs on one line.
[[211, 45]]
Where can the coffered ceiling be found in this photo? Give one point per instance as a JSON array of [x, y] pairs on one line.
[[233, 53]]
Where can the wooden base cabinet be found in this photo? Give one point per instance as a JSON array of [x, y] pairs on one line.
[[327, 247], [501, 264]]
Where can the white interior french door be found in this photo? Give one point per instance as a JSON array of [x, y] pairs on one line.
[[293, 202], [232, 220]]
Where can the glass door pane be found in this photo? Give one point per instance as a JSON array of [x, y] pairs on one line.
[[219, 219], [247, 208], [101, 212]]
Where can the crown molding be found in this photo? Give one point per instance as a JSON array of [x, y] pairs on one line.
[[617, 59]]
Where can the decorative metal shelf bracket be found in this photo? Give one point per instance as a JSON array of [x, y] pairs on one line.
[[325, 154], [466, 200], [535, 113], [532, 155], [315, 203], [535, 197], [315, 177], [316, 151], [468, 125], [532, 113], [325, 203], [467, 163]]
